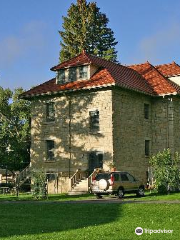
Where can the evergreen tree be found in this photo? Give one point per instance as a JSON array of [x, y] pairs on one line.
[[85, 28]]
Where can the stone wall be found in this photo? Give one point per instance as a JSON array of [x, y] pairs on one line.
[[71, 133], [122, 135], [130, 130]]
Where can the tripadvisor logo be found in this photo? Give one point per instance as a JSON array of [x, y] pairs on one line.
[[139, 231]]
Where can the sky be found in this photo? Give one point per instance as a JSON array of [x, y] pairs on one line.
[[29, 38]]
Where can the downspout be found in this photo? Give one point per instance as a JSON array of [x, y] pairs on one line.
[[170, 124], [70, 142]]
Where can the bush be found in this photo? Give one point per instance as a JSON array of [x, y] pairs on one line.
[[166, 171], [39, 185]]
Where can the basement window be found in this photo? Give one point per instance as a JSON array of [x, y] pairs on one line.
[[94, 121], [50, 150], [51, 176]]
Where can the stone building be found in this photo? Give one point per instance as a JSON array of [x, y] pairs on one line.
[[96, 114]]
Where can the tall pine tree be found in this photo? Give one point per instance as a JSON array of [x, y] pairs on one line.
[[85, 28]]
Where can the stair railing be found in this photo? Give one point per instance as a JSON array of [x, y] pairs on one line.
[[22, 176], [75, 178], [90, 178]]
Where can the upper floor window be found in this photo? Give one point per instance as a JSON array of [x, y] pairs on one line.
[[146, 111], [147, 148], [50, 112], [50, 150], [94, 120], [72, 76], [83, 72], [61, 76]]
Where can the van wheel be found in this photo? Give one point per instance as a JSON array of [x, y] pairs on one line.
[[98, 196], [120, 193], [140, 192]]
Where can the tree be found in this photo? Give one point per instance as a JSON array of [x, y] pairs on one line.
[[166, 171], [14, 129], [85, 28]]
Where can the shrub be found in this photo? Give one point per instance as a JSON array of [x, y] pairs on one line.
[[166, 171], [39, 185]]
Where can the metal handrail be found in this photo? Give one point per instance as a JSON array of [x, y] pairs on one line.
[[75, 177], [91, 177], [23, 174]]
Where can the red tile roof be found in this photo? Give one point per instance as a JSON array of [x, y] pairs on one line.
[[143, 78], [168, 70], [100, 79], [159, 83]]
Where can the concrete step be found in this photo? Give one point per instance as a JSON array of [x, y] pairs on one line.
[[79, 188]]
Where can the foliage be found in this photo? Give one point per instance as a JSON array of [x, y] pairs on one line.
[[85, 28], [166, 171], [14, 129], [39, 186]]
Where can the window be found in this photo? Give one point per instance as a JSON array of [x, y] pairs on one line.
[[131, 178], [94, 120], [50, 150], [83, 72], [72, 75], [146, 111], [116, 177], [51, 176], [147, 147], [50, 112], [124, 177], [61, 76], [95, 160]]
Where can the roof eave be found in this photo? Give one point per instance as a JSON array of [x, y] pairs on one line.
[[67, 91]]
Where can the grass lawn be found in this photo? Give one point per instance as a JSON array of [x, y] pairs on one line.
[[149, 196], [54, 221]]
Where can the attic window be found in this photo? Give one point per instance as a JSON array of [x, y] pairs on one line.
[[83, 72], [61, 76], [72, 74]]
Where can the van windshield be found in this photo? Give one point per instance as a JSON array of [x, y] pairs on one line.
[[102, 176]]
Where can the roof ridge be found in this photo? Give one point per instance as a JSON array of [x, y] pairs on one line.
[[164, 77], [176, 64], [82, 53], [137, 64]]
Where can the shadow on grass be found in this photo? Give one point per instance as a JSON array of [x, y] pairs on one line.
[[32, 218]]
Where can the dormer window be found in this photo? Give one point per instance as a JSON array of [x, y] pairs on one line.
[[72, 76], [61, 76], [83, 72]]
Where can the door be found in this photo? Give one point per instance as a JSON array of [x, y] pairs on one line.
[[95, 161]]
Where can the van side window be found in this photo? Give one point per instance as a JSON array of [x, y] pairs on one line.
[[131, 178], [116, 177], [124, 177]]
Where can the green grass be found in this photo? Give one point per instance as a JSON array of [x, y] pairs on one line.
[[54, 221], [149, 196]]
